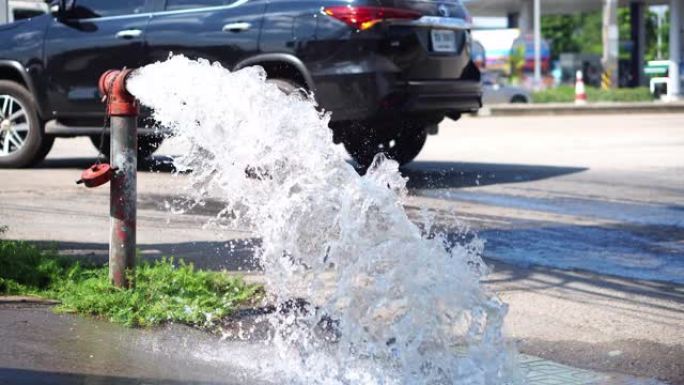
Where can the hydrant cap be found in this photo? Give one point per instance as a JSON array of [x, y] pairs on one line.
[[96, 175]]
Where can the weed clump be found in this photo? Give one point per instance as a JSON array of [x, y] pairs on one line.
[[164, 291], [26, 269]]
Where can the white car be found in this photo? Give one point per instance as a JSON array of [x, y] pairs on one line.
[[495, 93], [23, 9]]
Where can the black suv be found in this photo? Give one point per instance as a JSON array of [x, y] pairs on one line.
[[389, 70]]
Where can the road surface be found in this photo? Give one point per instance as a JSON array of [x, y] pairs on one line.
[[582, 218]]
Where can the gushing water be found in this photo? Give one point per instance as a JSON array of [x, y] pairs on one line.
[[364, 296]]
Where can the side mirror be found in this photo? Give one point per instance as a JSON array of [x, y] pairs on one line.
[[61, 8]]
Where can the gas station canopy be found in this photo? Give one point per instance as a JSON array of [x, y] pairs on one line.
[[548, 7]]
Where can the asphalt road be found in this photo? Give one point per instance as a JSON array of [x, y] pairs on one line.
[[583, 219]]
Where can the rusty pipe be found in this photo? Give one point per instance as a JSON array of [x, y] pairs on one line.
[[120, 102], [123, 111]]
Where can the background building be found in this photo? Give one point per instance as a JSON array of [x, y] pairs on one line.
[[526, 16]]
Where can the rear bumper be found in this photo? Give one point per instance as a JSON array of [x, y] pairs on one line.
[[439, 95], [352, 97]]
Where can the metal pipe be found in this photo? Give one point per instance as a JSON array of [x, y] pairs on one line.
[[610, 31], [526, 18], [673, 88], [638, 33], [537, 44], [123, 111], [123, 192]]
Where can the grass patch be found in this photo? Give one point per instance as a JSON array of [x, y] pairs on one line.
[[566, 94], [164, 291]]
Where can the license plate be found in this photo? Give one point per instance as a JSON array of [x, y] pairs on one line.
[[443, 40]]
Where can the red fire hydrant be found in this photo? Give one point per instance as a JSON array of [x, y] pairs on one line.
[[123, 110]]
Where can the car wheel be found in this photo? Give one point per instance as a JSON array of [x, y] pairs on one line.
[[45, 147], [518, 99], [288, 87], [23, 142], [401, 141], [147, 145]]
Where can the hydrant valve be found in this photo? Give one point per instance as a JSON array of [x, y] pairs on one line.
[[120, 102]]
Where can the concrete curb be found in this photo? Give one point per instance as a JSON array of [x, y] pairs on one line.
[[548, 109], [27, 300]]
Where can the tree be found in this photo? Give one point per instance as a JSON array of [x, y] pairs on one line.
[[664, 32], [573, 33], [559, 31], [651, 25], [582, 32]]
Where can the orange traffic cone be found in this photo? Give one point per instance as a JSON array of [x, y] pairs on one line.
[[580, 93]]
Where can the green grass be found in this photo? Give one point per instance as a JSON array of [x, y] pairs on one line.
[[163, 292], [566, 94]]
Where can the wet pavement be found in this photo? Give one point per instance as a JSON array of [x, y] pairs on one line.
[[583, 226], [41, 347]]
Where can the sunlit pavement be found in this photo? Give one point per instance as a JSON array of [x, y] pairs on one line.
[[582, 218]]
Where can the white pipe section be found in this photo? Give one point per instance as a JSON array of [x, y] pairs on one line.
[[537, 44], [674, 86]]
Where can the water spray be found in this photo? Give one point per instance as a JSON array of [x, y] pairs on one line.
[[364, 297]]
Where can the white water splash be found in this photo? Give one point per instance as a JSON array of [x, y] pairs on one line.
[[382, 303]]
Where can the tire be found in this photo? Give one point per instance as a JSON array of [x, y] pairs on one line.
[[518, 99], [147, 145], [401, 141], [23, 142], [46, 146]]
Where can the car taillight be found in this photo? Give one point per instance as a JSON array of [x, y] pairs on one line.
[[363, 18], [468, 18]]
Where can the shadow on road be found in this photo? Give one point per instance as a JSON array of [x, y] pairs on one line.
[[234, 255], [587, 287], [433, 175], [657, 304], [238, 255], [421, 174], [640, 251]]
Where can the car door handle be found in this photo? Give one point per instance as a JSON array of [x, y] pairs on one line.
[[128, 34], [236, 27]]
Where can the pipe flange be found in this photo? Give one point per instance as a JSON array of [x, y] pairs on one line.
[[120, 102]]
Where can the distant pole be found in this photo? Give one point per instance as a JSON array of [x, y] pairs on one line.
[[637, 11], [673, 88], [123, 111], [537, 44], [526, 18], [609, 78]]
